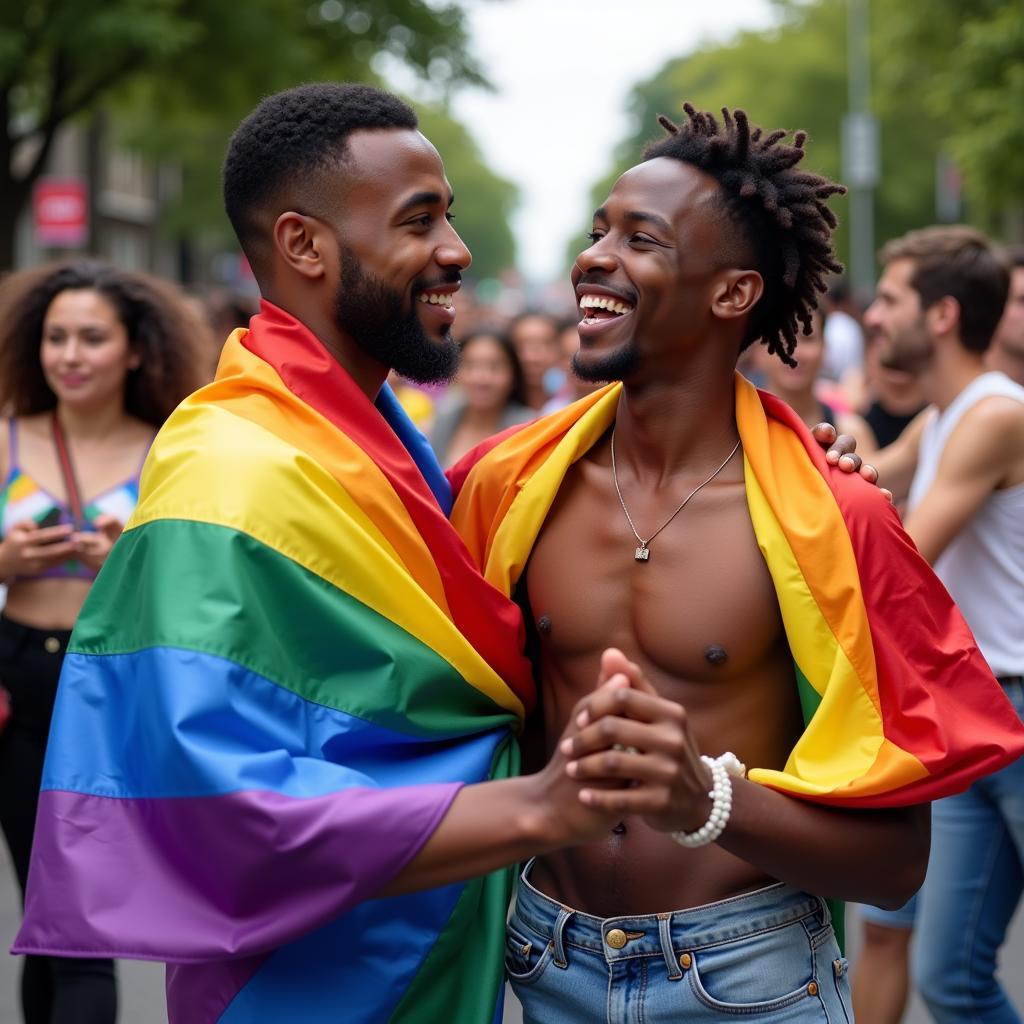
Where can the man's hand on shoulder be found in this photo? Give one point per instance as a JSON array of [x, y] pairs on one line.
[[841, 451]]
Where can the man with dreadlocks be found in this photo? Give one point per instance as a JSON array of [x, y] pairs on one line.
[[788, 684]]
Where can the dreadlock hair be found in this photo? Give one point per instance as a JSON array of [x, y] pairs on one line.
[[781, 212], [283, 154]]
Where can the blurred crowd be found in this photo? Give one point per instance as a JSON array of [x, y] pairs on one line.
[[93, 358]]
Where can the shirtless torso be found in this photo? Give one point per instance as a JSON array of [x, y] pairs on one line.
[[702, 621]]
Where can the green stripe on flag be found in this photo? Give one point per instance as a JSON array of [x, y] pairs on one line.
[[226, 594]]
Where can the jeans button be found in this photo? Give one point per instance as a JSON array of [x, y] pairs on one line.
[[616, 938]]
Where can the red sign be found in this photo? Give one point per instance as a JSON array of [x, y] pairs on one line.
[[60, 209]]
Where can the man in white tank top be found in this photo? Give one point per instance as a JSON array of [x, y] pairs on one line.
[[960, 468]]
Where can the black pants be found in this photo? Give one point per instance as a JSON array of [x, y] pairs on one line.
[[54, 990]]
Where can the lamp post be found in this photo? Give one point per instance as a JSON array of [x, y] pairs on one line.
[[860, 149]]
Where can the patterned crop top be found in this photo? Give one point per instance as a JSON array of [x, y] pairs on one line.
[[22, 499]]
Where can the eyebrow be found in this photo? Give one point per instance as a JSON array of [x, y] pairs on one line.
[[424, 199], [638, 216]]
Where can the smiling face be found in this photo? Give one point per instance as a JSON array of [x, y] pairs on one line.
[[399, 260], [646, 286], [85, 351], [809, 354], [486, 374]]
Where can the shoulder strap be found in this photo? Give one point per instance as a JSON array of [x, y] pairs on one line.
[[68, 472]]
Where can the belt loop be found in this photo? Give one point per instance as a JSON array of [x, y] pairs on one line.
[[558, 938], [665, 934]]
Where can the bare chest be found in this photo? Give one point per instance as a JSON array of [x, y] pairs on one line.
[[702, 605]]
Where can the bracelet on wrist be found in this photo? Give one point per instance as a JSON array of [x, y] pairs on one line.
[[723, 768]]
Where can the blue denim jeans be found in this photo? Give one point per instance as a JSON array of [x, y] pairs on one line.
[[769, 955], [969, 896]]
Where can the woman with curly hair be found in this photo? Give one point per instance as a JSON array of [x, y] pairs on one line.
[[92, 360]]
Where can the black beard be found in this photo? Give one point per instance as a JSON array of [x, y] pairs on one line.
[[371, 314], [619, 364]]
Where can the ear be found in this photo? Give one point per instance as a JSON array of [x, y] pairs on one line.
[[302, 243], [943, 317], [735, 293]]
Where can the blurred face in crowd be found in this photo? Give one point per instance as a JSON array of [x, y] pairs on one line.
[[536, 342], [1010, 332], [85, 351], [400, 260], [486, 374], [897, 321], [809, 354]]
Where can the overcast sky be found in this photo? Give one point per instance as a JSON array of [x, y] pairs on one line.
[[563, 70]]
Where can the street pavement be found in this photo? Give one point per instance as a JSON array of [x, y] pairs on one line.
[[142, 995]]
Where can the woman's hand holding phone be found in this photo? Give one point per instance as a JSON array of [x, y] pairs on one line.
[[29, 548]]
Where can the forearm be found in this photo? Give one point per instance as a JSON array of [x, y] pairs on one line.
[[488, 826], [867, 856]]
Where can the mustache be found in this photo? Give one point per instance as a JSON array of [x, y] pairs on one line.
[[595, 279], [448, 277]]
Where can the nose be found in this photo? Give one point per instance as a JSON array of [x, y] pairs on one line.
[[72, 349], [596, 257], [452, 252], [871, 316]]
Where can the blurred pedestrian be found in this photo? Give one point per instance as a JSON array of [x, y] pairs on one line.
[[487, 398], [92, 360], [1006, 352], [941, 295], [535, 339], [844, 338], [796, 386], [572, 387]]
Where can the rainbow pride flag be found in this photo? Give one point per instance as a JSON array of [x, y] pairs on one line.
[[284, 673], [899, 705]]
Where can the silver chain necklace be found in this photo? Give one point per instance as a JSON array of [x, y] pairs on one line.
[[643, 552]]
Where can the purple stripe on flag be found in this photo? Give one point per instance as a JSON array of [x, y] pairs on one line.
[[196, 879]]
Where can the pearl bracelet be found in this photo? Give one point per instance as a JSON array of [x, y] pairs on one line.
[[722, 768]]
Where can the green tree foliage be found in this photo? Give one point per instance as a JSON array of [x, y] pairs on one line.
[[181, 73], [965, 58], [794, 75]]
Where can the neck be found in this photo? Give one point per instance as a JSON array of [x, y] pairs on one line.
[[1007, 361], [684, 427], [951, 371], [804, 403], [368, 374], [483, 418], [91, 424]]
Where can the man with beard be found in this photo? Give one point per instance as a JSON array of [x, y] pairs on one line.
[[773, 612], [961, 468], [291, 693], [1006, 352]]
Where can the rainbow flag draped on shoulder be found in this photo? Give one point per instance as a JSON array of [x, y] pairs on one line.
[[284, 673], [900, 707]]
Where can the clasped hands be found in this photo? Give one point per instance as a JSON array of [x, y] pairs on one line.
[[628, 752]]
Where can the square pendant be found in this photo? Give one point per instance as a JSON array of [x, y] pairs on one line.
[[642, 553]]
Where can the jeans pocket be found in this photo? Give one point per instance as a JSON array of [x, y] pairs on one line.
[[526, 955], [763, 973]]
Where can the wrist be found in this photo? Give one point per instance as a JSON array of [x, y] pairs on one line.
[[540, 822], [722, 770]]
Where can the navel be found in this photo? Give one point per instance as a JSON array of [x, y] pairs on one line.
[[716, 654], [620, 829], [544, 625]]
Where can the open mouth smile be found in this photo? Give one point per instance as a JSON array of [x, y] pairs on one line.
[[602, 309]]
